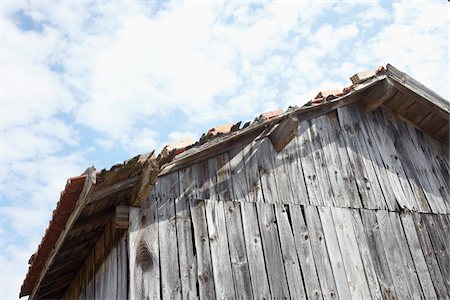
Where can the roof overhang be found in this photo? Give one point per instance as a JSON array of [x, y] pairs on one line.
[[84, 209]]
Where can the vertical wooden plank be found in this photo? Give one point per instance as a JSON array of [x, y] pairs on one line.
[[266, 170], [272, 251], [143, 246], [334, 253], [440, 243], [396, 258], [409, 153], [290, 258], [335, 155], [110, 277], [168, 249], [305, 253], [436, 164], [305, 153], [320, 253], [417, 256], [323, 185], [402, 245], [187, 259], [99, 268], [360, 159], [234, 230], [381, 135], [205, 277], [366, 256], [220, 257], [360, 125], [238, 254], [377, 253], [294, 171], [258, 274], [90, 287], [356, 277], [430, 258], [238, 174], [122, 274]]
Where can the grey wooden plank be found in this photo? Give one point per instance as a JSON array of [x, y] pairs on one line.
[[417, 256], [361, 127], [305, 253], [238, 173], [432, 186], [168, 249], [250, 155], [320, 253], [366, 256], [440, 242], [110, 279], [306, 154], [360, 159], [408, 153], [272, 251], [290, 258], [340, 173], [430, 257], [187, 259], [220, 255], [234, 229], [238, 254], [395, 257], [122, 268], [266, 169], [377, 254], [437, 163], [281, 172], [413, 281], [324, 186], [205, 277], [381, 134], [293, 168], [354, 268], [334, 253], [143, 241], [255, 255]]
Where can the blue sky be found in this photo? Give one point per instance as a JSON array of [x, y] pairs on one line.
[[95, 83]]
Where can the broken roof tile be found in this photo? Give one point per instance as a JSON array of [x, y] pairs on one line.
[[269, 115]]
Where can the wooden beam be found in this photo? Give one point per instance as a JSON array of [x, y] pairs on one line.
[[379, 96], [104, 192], [80, 204], [100, 222], [284, 132], [121, 217]]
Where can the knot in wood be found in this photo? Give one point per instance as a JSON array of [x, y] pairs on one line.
[[144, 257]]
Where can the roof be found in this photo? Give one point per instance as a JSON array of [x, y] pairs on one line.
[[87, 202]]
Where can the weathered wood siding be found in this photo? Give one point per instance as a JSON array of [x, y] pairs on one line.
[[109, 280], [357, 206], [294, 251]]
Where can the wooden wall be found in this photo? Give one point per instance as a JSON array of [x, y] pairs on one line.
[[104, 274], [225, 250], [356, 206]]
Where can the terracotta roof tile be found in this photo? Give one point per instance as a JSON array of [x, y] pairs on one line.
[[222, 129], [64, 207], [269, 115]]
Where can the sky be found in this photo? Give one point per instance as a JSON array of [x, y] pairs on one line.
[[94, 83]]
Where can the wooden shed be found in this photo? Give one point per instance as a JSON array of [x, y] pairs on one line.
[[347, 197]]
